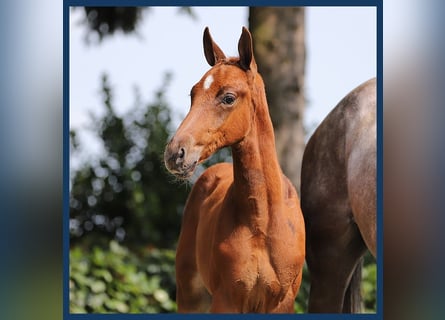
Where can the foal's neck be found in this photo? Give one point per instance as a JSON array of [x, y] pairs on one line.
[[257, 175]]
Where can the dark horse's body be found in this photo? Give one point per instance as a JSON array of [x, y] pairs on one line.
[[338, 200]]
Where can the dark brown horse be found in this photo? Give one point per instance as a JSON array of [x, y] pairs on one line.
[[242, 241], [338, 199]]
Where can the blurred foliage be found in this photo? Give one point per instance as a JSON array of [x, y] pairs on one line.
[[103, 22], [116, 280], [127, 194], [300, 305], [369, 284]]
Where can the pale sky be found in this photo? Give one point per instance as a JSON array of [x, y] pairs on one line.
[[340, 44]]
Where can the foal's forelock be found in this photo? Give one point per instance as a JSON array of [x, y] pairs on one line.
[[232, 61]]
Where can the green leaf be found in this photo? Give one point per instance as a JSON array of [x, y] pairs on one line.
[[117, 305], [98, 286], [117, 249], [104, 274], [161, 295], [96, 301]]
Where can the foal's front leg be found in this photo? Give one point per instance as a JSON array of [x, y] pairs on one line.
[[221, 304], [191, 295]]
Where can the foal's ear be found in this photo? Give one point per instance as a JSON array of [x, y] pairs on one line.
[[245, 50], [212, 52]]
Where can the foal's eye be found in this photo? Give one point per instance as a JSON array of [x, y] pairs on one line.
[[229, 99]]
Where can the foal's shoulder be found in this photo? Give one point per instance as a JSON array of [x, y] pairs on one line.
[[218, 175]]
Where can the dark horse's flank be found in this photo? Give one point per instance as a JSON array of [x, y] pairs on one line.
[[242, 243], [338, 199]]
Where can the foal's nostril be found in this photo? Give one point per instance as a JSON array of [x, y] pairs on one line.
[[180, 156], [181, 153]]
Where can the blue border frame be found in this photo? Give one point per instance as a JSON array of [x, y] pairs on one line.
[[66, 163], [380, 158], [379, 72], [226, 3]]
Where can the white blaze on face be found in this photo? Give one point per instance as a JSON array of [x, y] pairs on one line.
[[208, 82]]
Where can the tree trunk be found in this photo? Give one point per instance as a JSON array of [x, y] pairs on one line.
[[279, 46]]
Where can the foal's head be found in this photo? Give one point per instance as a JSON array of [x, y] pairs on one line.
[[222, 107]]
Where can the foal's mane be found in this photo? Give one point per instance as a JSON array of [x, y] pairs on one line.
[[231, 61]]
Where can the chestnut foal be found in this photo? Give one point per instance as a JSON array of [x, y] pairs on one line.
[[242, 242]]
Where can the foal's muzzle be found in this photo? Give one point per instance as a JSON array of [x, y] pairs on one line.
[[181, 158]]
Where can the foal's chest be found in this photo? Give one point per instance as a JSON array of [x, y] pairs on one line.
[[250, 273]]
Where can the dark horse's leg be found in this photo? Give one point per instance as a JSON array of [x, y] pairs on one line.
[[353, 297], [334, 244], [334, 252]]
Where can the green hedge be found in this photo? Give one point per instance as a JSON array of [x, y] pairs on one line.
[[369, 284], [117, 280]]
